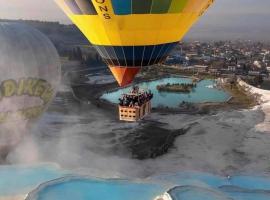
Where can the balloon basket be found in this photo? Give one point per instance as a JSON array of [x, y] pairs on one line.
[[133, 114]]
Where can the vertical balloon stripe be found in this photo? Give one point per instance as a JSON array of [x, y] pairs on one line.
[[106, 55], [147, 54], [159, 55], [141, 6], [138, 54], [163, 53], [120, 55], [111, 53], [121, 7], [86, 6], [129, 55], [177, 6], [101, 54], [168, 50], [156, 54], [73, 7], [160, 6]]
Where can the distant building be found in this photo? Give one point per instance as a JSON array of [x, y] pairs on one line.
[[175, 60], [232, 68], [213, 70], [191, 54], [206, 58], [254, 73], [197, 68], [225, 71], [201, 68]]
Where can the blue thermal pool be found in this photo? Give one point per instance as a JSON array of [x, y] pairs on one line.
[[198, 186], [181, 186], [88, 189], [17, 180], [204, 92]]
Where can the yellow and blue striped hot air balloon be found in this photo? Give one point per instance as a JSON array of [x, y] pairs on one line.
[[130, 34]]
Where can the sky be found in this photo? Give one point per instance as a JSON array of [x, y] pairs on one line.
[[243, 16], [48, 10]]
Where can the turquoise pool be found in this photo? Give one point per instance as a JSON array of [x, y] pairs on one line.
[[181, 186], [90, 189], [204, 92], [198, 186], [17, 180], [187, 185]]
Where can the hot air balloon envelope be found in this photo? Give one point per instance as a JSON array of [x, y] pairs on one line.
[[30, 75], [130, 34]]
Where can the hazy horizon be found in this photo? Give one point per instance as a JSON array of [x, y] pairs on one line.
[[225, 19]]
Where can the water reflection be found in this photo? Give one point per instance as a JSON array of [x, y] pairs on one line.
[[204, 92]]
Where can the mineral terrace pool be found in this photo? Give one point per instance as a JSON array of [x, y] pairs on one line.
[[188, 185], [181, 186], [91, 189], [17, 180], [204, 92]]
